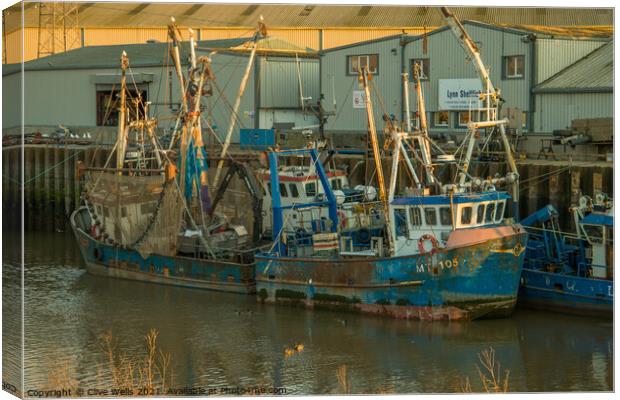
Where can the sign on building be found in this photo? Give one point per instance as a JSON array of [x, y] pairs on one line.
[[358, 99], [459, 94]]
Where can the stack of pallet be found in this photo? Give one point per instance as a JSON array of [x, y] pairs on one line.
[[600, 130]]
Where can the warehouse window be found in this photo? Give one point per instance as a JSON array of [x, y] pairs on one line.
[[463, 119], [108, 102], [514, 67], [441, 118], [425, 68], [358, 62]]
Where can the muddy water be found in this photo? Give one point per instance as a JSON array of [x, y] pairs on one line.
[[220, 340]]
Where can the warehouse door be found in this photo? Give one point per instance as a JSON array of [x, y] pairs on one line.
[[108, 102]]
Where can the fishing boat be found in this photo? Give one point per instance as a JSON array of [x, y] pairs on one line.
[[446, 250], [570, 272], [150, 217], [300, 184]]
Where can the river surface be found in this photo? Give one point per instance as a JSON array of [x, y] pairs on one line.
[[218, 340]]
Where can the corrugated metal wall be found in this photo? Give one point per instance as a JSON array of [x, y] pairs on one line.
[[14, 45], [448, 61], [305, 37], [11, 101], [335, 83], [553, 55], [107, 36], [556, 111], [280, 82], [229, 71], [48, 103], [336, 37], [31, 44]]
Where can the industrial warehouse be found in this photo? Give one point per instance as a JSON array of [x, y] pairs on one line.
[[330, 181]]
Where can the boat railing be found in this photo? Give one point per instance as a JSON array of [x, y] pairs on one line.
[[230, 254]]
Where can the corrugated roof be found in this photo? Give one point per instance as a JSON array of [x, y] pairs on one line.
[[140, 55], [590, 32], [567, 32], [303, 16], [268, 46], [592, 73]]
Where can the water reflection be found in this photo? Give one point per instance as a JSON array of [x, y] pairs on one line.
[[218, 339]]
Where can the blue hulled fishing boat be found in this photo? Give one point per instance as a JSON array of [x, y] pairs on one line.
[[445, 250], [570, 272], [150, 217]]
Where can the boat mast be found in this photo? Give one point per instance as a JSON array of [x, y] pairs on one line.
[[173, 33], [121, 139], [423, 139], [233, 116], [375, 151]]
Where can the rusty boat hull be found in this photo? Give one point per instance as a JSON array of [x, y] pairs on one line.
[[111, 261], [476, 275]]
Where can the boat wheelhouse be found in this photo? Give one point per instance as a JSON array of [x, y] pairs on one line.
[[437, 216], [299, 187]]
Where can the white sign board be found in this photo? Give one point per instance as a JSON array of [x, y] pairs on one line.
[[359, 99], [459, 94]]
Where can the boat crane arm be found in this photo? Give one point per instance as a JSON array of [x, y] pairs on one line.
[[490, 96], [541, 216], [470, 47], [254, 189]]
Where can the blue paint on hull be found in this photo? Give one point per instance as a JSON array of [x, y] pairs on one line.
[[566, 293], [106, 260], [461, 283]]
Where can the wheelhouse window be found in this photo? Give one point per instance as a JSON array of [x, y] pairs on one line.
[[415, 216], [466, 215], [283, 191], [336, 184], [514, 67], [294, 190], [357, 63], [480, 214], [490, 214], [441, 118], [400, 218], [430, 215], [445, 216], [425, 65], [499, 214], [310, 189], [108, 102]]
